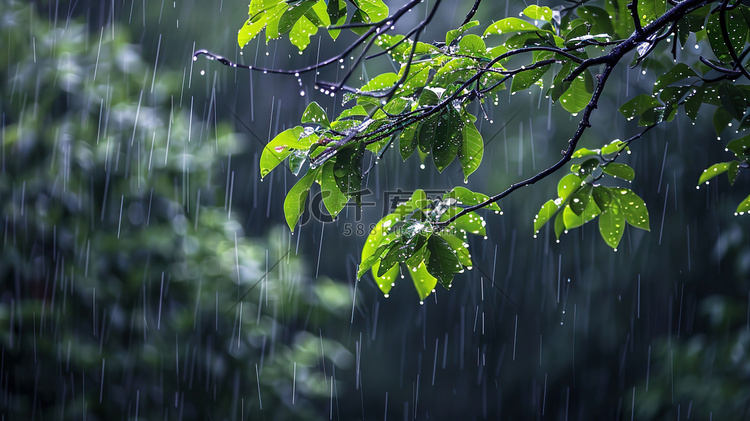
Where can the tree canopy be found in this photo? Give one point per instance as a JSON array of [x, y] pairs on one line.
[[568, 52]]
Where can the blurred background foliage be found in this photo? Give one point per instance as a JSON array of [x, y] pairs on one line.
[[128, 286], [134, 222]]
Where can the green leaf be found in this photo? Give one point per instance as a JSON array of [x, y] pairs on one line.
[[347, 170], [443, 262], [586, 168], [510, 25], [679, 72], [538, 13], [572, 220], [740, 146], [467, 197], [633, 207], [548, 210], [581, 152], [558, 83], [721, 120], [294, 204], [650, 10], [372, 244], [578, 95], [733, 100], [380, 82], [693, 104], [423, 281], [744, 206], [301, 32], [612, 224], [638, 106], [278, 149], [580, 199], [525, 79], [315, 114], [715, 170], [259, 18], [333, 198], [472, 149], [737, 29], [337, 15], [453, 34], [293, 13], [559, 225], [427, 132], [448, 138], [472, 45], [619, 170], [457, 244], [567, 185], [597, 18], [391, 257], [471, 223], [613, 147], [375, 9], [622, 20], [602, 196], [407, 142]]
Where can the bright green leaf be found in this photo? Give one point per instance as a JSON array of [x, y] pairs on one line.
[[278, 149], [579, 93], [538, 13], [548, 210], [510, 25], [567, 185], [744, 206], [424, 282], [333, 199], [472, 149], [633, 207], [294, 204], [612, 224], [315, 114], [619, 170]]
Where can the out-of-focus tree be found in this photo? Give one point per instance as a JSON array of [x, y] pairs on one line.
[[128, 288]]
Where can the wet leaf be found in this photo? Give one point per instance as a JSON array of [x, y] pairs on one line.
[[633, 207], [510, 26], [572, 220], [547, 211], [315, 114], [372, 244], [638, 106], [279, 148], [443, 262], [744, 206], [612, 224], [567, 185], [619, 170], [424, 282], [717, 169], [580, 199], [538, 13], [333, 198], [577, 96], [407, 141], [455, 33], [740, 146], [294, 204], [472, 149], [448, 138], [679, 72]]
